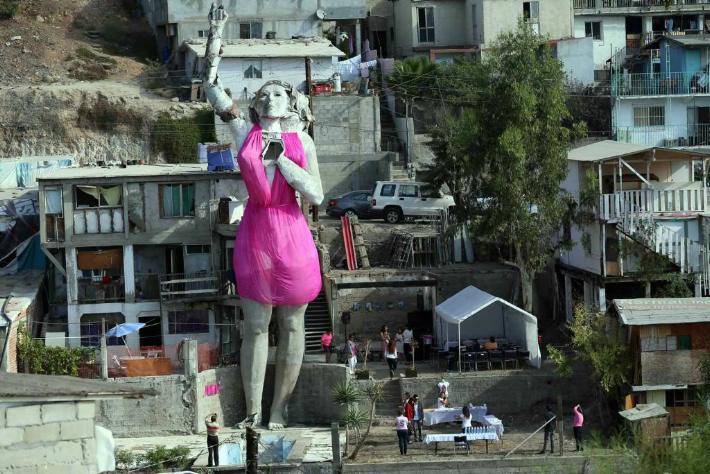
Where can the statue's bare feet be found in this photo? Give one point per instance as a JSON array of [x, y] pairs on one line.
[[277, 422], [249, 421]]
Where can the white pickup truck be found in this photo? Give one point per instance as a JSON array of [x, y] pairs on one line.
[[395, 200]]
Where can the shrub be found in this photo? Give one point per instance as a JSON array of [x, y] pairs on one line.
[[41, 359], [177, 138], [8, 9], [101, 114], [161, 458]]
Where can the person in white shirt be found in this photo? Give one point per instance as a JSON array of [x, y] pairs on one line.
[[352, 354], [407, 338], [391, 357], [466, 418], [401, 425], [442, 402]]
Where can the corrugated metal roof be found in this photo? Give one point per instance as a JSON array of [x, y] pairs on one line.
[[605, 150], [649, 311], [34, 387], [643, 411], [690, 40], [657, 388], [129, 171], [276, 48]]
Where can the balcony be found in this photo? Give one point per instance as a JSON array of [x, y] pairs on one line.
[[210, 285], [105, 290], [689, 199], [666, 136], [660, 84], [639, 5], [147, 287]]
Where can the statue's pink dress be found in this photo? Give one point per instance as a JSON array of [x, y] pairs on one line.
[[275, 259]]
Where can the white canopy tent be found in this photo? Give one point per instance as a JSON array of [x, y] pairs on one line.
[[474, 314]]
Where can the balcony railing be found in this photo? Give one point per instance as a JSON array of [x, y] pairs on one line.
[[189, 286], [147, 287], [617, 205], [668, 136], [648, 84], [599, 4], [101, 291]]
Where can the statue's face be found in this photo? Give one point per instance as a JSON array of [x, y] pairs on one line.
[[272, 102]]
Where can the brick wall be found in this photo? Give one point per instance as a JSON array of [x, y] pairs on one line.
[[49, 437]]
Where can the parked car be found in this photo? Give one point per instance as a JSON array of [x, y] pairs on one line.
[[395, 200], [354, 203]]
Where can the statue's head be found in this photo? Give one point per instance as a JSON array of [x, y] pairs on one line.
[[279, 100]]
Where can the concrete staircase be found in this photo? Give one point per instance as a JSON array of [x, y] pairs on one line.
[[317, 322], [386, 409]]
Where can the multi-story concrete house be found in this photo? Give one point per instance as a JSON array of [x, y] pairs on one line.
[[640, 199], [141, 243], [661, 95], [627, 25], [668, 338], [177, 21], [443, 29]]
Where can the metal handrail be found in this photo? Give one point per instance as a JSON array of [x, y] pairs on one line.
[[526, 439]]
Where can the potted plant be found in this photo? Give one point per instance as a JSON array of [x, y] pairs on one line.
[[364, 374], [412, 371]]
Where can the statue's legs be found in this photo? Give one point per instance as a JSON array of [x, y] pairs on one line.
[[254, 354], [289, 357]]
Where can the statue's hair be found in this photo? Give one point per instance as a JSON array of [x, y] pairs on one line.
[[298, 103]]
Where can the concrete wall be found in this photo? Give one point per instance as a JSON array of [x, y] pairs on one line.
[[574, 54], [170, 412], [228, 402], [613, 38], [48, 437], [344, 173]]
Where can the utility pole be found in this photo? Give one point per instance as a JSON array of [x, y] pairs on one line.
[[104, 352]]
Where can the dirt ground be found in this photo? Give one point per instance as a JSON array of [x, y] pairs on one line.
[[40, 44]]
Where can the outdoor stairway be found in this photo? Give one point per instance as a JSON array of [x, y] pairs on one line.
[[317, 322], [689, 256], [386, 409]]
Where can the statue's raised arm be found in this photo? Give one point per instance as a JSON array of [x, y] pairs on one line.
[[220, 101]]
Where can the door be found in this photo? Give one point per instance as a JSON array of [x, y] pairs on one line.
[[174, 260], [150, 335], [408, 197]]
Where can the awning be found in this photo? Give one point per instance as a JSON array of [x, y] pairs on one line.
[[642, 412], [649, 311]]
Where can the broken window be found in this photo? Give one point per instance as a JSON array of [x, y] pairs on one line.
[[649, 116], [177, 200], [252, 69], [188, 321], [136, 211], [249, 30], [97, 196], [426, 24], [593, 29]]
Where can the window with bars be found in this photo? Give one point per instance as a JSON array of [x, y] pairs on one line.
[[593, 29], [177, 200], [649, 116], [682, 398], [425, 16]]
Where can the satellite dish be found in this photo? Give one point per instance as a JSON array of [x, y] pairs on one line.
[[320, 14]]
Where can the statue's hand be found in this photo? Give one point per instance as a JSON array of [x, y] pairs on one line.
[[217, 16]]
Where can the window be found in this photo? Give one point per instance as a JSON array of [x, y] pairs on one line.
[[188, 321], [195, 249], [682, 398], [665, 343], [531, 11], [53, 201], [177, 200], [249, 30], [649, 116], [593, 29], [91, 328], [426, 24], [97, 196], [408, 190], [203, 33], [429, 192], [252, 69], [54, 213], [361, 197], [388, 190]]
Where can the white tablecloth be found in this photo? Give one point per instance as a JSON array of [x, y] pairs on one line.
[[439, 438], [441, 415], [479, 414]]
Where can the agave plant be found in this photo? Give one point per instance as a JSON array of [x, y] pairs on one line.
[[347, 395], [372, 393]]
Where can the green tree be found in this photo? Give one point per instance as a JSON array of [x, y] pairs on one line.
[[504, 151]]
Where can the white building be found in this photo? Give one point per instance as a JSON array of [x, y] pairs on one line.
[[247, 64], [443, 29], [642, 194]]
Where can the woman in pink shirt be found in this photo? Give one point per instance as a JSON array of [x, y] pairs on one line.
[[577, 422], [326, 342]]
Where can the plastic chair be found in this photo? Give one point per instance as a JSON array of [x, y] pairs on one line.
[[496, 357], [461, 442], [510, 356], [481, 358], [523, 356], [467, 361]]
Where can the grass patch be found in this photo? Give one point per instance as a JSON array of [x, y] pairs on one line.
[[8, 9], [121, 39], [100, 114], [177, 138]]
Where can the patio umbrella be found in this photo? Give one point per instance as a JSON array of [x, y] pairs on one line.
[[123, 329]]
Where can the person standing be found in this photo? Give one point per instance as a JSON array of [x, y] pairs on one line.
[[391, 357], [466, 419], [326, 343], [408, 337], [577, 423], [401, 423], [352, 353], [549, 430], [385, 339], [409, 413], [399, 339], [212, 439], [418, 418]]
